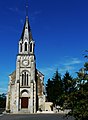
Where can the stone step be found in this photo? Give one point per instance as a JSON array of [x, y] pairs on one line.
[[24, 111]]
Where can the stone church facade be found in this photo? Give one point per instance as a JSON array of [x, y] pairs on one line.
[[26, 85]]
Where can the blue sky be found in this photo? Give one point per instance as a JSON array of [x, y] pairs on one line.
[[60, 31]]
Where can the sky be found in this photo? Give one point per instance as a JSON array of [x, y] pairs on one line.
[[59, 29]]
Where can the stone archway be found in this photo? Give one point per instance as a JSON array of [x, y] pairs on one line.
[[24, 99]]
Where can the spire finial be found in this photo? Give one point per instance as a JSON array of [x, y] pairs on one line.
[[27, 8]]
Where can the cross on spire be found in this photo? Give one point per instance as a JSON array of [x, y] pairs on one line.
[[26, 8]]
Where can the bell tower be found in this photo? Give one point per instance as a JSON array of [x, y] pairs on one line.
[[26, 43], [25, 71], [26, 86]]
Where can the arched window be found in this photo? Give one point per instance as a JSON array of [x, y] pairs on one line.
[[25, 46], [20, 47], [24, 79], [31, 47]]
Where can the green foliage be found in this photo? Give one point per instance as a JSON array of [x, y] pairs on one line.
[[57, 87], [54, 88], [77, 100], [2, 100], [71, 93], [86, 65], [68, 83], [49, 89]]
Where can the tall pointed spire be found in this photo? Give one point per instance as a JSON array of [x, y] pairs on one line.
[[26, 30]]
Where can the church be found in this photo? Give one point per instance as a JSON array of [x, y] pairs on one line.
[[26, 84]]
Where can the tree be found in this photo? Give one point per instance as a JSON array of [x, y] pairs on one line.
[[68, 83], [49, 90], [77, 100], [2, 100], [54, 88], [58, 88]]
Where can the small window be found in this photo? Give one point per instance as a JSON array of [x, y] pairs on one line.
[[20, 47], [25, 79], [25, 46], [31, 47]]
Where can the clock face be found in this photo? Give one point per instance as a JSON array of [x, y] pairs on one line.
[[25, 62]]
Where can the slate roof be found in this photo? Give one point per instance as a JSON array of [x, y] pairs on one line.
[[29, 29]]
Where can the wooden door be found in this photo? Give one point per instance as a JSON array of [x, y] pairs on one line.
[[24, 102]]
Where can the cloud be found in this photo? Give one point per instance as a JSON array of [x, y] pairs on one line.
[[68, 64], [72, 61], [63, 69], [47, 70]]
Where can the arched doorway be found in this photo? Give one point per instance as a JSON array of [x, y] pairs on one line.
[[24, 99]]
